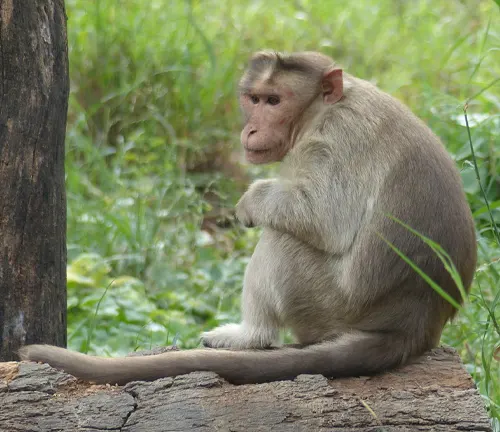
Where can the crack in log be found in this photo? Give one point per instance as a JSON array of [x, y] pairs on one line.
[[134, 394]]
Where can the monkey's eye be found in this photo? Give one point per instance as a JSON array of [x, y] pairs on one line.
[[273, 100], [254, 99]]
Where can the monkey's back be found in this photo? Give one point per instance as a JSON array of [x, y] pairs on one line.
[[421, 187]]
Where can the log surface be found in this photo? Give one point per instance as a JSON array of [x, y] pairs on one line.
[[435, 393]]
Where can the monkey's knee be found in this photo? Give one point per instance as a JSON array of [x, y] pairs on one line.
[[238, 336]]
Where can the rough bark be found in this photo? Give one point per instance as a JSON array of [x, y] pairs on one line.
[[435, 393], [33, 105]]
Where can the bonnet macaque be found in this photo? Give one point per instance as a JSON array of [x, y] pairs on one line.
[[353, 159]]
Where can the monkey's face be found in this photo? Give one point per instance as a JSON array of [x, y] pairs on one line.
[[276, 93], [269, 114]]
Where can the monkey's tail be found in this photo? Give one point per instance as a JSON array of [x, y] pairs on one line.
[[350, 355]]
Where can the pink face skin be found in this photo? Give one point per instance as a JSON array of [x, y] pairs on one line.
[[270, 112]]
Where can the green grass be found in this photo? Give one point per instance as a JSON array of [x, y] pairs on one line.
[[153, 97]]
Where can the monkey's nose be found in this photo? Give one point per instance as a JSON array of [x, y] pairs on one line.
[[252, 132]]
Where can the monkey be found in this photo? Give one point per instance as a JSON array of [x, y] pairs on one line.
[[353, 162]]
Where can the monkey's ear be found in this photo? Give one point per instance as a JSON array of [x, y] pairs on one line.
[[332, 86]]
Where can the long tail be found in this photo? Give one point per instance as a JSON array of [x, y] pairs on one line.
[[350, 355]]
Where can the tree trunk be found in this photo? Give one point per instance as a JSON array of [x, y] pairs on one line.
[[34, 89]]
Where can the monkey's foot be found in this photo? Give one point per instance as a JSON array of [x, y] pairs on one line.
[[236, 336]]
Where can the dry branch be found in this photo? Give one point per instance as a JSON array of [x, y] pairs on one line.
[[435, 393]]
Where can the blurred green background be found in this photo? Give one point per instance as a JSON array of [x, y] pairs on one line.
[[154, 169]]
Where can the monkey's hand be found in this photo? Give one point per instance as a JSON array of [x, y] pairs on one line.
[[249, 210]]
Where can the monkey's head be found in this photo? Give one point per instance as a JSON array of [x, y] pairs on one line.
[[276, 91]]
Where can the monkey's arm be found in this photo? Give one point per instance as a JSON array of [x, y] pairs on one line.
[[315, 204]]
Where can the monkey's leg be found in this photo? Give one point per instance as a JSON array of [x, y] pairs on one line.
[[258, 329]]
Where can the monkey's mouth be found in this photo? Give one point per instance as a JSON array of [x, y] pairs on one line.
[[256, 151]]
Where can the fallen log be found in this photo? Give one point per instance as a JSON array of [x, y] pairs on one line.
[[434, 393]]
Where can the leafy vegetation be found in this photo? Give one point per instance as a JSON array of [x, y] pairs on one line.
[[154, 122]]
